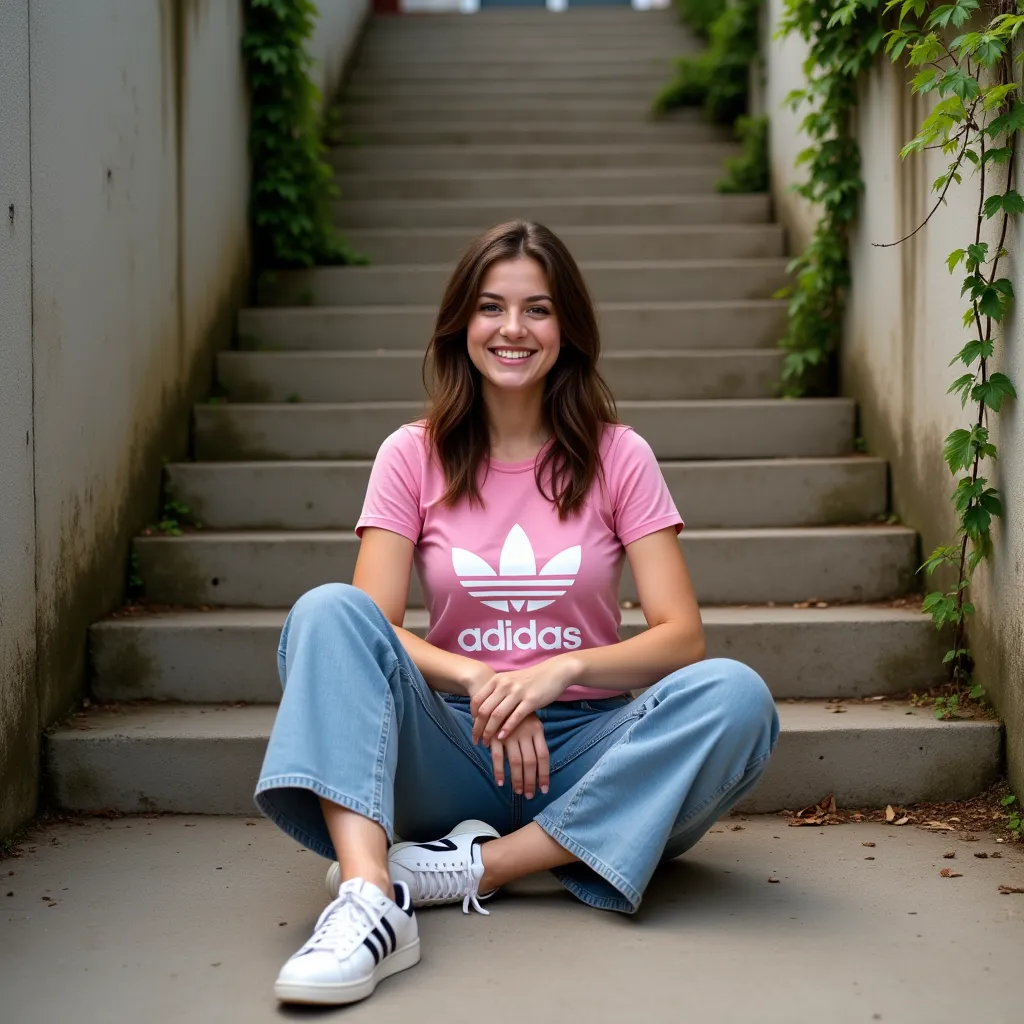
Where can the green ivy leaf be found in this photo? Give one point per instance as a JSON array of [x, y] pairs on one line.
[[954, 259], [957, 450], [993, 391], [972, 351], [1011, 121]]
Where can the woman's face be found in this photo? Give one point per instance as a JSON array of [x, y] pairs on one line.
[[513, 334]]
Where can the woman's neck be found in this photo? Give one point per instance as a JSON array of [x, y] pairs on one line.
[[516, 426]]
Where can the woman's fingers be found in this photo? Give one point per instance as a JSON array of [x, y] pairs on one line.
[[497, 718], [514, 715], [481, 695], [529, 759], [498, 760], [483, 714], [543, 760], [514, 752]]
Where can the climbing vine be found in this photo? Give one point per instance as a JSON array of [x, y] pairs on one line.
[[974, 121], [292, 182], [842, 43]]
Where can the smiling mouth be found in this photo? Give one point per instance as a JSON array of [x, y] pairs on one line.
[[510, 355]]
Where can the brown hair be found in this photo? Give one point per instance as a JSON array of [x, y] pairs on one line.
[[577, 401]]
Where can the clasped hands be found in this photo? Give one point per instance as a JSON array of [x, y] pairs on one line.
[[503, 706]]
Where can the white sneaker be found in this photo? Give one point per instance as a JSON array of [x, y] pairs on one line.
[[361, 938], [445, 871]]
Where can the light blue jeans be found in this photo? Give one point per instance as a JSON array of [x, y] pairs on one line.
[[633, 781]]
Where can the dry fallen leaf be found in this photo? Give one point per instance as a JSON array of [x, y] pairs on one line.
[[950, 873], [981, 855], [867, 844], [772, 879], [903, 820], [890, 814], [938, 826], [996, 853], [949, 854], [1006, 890], [736, 828], [869, 858]]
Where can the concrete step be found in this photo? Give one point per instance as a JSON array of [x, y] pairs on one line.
[[396, 375], [587, 244], [473, 108], [530, 184], [418, 57], [525, 133], [205, 760], [737, 494], [440, 90], [614, 281], [230, 655], [718, 429], [651, 73], [560, 156], [753, 323], [272, 569], [480, 214]]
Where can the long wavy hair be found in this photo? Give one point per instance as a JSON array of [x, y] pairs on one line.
[[577, 401]]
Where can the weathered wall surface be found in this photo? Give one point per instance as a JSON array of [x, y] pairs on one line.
[[336, 34], [783, 62], [19, 758], [119, 279], [903, 327]]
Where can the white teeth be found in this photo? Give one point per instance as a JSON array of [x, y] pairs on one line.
[[506, 354]]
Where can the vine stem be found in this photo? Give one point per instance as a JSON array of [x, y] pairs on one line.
[[939, 201]]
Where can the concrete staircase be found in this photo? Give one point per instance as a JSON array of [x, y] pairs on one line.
[[796, 573]]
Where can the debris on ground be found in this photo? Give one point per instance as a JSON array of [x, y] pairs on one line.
[[965, 820]]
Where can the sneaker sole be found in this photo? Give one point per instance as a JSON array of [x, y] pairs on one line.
[[333, 879], [350, 992]]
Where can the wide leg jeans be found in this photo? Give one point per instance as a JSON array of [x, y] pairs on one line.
[[633, 781]]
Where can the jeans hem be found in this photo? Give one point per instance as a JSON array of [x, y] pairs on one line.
[[631, 897], [308, 840]]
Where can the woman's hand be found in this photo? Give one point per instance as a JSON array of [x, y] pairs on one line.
[[504, 701], [528, 760]]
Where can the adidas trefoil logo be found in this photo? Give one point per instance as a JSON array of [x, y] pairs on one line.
[[517, 582]]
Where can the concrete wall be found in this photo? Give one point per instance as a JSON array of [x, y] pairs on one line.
[[124, 151], [903, 327]]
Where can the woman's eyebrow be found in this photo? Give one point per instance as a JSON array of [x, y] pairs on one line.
[[529, 298]]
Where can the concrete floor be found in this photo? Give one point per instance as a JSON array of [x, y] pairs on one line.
[[189, 918]]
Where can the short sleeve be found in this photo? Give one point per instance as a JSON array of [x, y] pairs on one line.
[[392, 499], [641, 500]]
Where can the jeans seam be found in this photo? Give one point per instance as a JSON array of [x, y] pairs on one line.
[[455, 739], [382, 744], [612, 726]]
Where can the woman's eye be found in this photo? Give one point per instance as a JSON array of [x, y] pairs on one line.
[[540, 309], [488, 307]]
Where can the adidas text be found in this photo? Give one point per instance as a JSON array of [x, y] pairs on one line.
[[502, 637]]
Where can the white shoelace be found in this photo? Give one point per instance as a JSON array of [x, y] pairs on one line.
[[447, 882], [344, 923]]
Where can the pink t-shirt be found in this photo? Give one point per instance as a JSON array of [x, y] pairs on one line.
[[509, 584]]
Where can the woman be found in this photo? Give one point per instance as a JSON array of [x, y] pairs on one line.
[[517, 497]]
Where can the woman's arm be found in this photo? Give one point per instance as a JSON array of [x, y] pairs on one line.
[[675, 634], [383, 570]]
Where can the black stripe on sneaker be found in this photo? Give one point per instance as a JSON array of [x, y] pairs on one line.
[[403, 898], [391, 933], [372, 947], [440, 846], [384, 947]]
